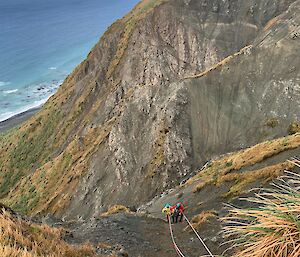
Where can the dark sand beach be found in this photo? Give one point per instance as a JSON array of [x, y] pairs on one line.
[[17, 119]]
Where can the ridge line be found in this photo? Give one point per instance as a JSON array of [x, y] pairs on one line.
[[244, 50]]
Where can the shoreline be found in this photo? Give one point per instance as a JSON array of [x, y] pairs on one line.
[[17, 119]]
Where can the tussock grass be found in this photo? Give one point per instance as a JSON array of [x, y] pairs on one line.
[[200, 219], [264, 175], [104, 245], [294, 127], [273, 228], [272, 122], [115, 209], [202, 184], [19, 238], [225, 169]]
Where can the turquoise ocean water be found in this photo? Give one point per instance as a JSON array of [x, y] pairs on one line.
[[41, 41]]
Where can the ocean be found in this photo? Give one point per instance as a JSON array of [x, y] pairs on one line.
[[42, 41]]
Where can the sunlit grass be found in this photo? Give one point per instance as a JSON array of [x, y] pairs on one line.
[[116, 209], [272, 228], [19, 238], [201, 219]]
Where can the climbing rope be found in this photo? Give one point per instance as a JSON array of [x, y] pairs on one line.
[[202, 242], [173, 240]]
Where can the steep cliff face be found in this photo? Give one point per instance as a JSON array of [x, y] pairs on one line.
[[128, 123], [254, 95]]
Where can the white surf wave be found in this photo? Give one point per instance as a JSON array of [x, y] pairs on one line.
[[36, 104], [50, 89], [52, 68], [3, 83], [10, 91]]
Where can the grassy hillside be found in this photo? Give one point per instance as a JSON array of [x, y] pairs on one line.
[[228, 169], [20, 238], [45, 157], [123, 127], [223, 182]]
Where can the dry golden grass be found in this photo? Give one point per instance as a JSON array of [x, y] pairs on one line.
[[219, 170], [104, 245], [24, 239], [7, 251], [58, 176], [272, 229], [243, 179], [221, 63], [201, 185], [200, 219], [271, 23], [116, 209]]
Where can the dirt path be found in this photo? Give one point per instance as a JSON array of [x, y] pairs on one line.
[[137, 235]]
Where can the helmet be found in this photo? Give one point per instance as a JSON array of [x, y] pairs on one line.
[[178, 205], [167, 205]]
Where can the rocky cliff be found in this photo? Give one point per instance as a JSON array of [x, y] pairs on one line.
[[171, 85]]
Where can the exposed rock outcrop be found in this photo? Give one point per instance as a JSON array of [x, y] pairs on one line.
[[126, 125]]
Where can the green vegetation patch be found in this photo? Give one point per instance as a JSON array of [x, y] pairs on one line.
[[27, 201], [9, 180], [272, 122], [294, 127], [159, 153], [34, 145]]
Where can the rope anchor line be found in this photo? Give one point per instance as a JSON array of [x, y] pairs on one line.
[[178, 251], [200, 239]]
